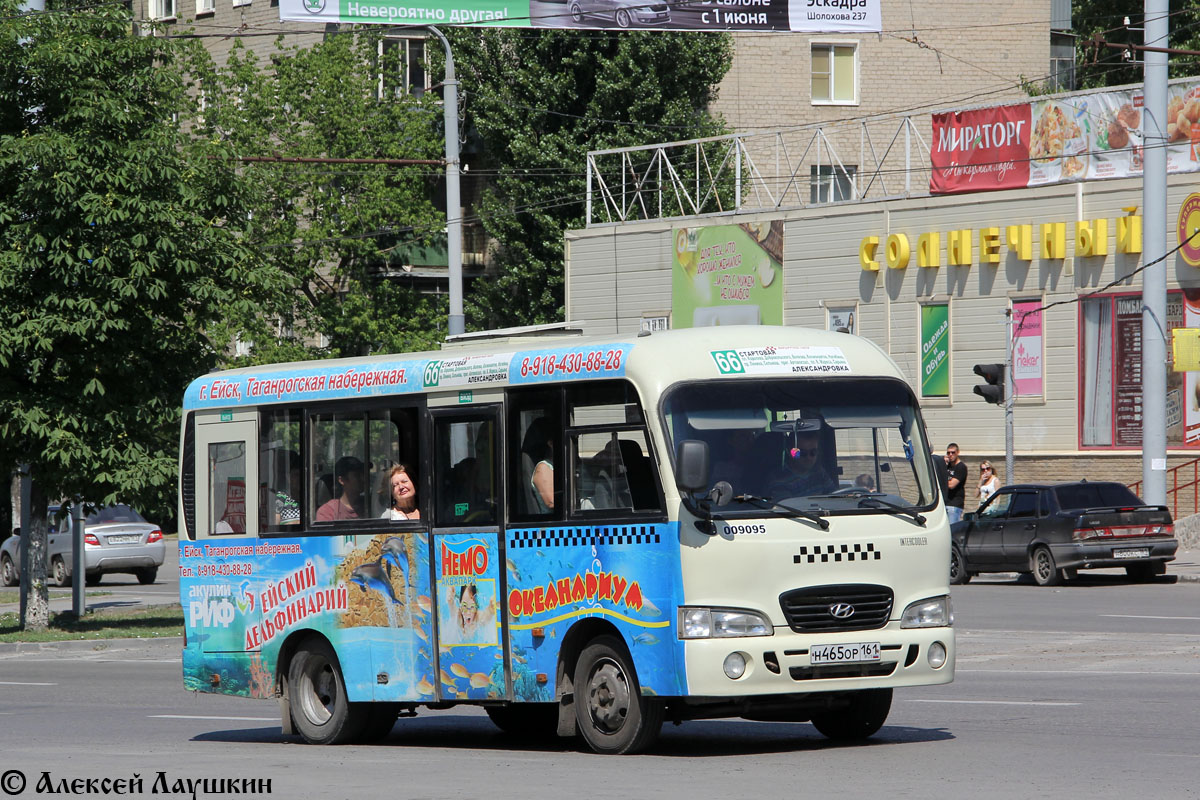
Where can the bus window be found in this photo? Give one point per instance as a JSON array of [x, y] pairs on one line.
[[227, 487], [535, 442], [611, 468], [464, 472], [279, 471], [352, 454]]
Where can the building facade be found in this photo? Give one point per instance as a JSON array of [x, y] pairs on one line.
[[933, 281]]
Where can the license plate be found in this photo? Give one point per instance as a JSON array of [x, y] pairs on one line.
[[125, 538], [843, 653], [1132, 552]]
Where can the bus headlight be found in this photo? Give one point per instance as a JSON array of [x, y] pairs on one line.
[[934, 612], [711, 623]]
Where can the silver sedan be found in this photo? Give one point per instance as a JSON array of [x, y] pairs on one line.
[[115, 539]]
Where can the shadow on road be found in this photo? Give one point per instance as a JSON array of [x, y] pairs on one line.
[[689, 740]]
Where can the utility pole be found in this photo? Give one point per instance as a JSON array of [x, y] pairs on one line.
[[1154, 278], [1009, 395], [456, 323]]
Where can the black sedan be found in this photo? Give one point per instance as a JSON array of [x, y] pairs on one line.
[[1054, 530]]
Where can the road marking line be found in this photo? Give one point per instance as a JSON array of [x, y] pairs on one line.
[[200, 716], [1144, 616], [995, 702], [22, 683]]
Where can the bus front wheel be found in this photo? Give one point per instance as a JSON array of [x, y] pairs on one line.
[[317, 696], [614, 716], [867, 712]]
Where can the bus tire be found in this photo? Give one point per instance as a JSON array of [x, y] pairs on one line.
[[867, 712], [317, 696], [614, 716], [526, 720]]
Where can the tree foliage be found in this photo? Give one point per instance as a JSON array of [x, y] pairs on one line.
[[1098, 67], [123, 240], [335, 229], [539, 100]]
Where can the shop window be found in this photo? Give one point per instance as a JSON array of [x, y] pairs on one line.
[[835, 74]]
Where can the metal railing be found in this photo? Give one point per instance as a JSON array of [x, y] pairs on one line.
[[747, 172], [1177, 487]]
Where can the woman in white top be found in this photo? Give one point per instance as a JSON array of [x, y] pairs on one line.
[[988, 482], [404, 495]]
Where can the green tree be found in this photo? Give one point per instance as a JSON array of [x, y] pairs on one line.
[[539, 100], [336, 228], [1098, 67], [122, 241]]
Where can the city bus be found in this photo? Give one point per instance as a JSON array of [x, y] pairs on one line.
[[583, 536]]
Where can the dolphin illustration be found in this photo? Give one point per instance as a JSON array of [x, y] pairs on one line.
[[393, 553]]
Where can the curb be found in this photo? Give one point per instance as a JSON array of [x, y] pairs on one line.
[[86, 645]]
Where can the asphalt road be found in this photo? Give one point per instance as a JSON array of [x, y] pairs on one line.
[[1088, 690]]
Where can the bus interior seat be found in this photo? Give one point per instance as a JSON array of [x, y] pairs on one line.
[[324, 489], [639, 475], [529, 504]]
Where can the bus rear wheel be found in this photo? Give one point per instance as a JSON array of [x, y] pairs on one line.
[[321, 711], [614, 716], [867, 712]]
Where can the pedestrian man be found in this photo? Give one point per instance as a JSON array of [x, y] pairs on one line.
[[956, 479]]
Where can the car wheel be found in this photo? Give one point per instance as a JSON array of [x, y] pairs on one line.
[[1146, 571], [146, 575], [576, 13], [1045, 571], [866, 714], [526, 720], [614, 716], [8, 573], [623, 19], [317, 696], [958, 567], [61, 576]]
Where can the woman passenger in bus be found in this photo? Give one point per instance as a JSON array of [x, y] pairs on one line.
[[403, 495], [538, 448]]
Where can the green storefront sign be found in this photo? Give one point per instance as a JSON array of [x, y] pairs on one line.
[[935, 351]]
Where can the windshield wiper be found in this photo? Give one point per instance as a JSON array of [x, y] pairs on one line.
[[866, 498], [773, 505]]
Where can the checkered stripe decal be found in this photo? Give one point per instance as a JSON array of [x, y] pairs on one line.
[[577, 537], [837, 552]]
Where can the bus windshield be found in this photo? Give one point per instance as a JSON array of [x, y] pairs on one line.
[[838, 445]]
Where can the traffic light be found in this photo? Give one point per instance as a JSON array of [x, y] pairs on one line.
[[993, 390]]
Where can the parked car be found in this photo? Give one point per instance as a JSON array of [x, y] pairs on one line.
[[1054, 530], [115, 539]]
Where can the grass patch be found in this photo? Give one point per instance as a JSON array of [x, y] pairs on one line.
[[14, 595], [154, 622]]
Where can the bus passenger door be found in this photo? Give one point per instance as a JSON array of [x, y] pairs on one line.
[[467, 559]]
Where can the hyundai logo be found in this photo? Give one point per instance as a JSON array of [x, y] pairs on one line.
[[841, 611]]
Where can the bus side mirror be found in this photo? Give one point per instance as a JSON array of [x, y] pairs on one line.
[[691, 466]]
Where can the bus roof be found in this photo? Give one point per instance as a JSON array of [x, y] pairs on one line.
[[650, 360]]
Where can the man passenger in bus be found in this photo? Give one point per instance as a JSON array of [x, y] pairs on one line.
[[803, 472], [403, 495], [351, 478], [287, 509]]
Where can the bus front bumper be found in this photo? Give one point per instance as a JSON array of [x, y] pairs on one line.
[[782, 663]]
